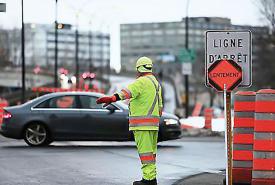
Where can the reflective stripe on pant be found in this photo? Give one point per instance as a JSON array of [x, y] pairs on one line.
[[146, 141]]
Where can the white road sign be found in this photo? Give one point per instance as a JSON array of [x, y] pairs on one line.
[[186, 68], [235, 45]]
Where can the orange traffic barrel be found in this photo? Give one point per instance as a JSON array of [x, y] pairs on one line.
[[208, 115], [197, 109], [264, 139], [243, 132]]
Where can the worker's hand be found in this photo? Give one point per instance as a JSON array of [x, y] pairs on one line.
[[106, 99]]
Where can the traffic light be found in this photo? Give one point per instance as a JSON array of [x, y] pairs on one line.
[[63, 26], [2, 7]]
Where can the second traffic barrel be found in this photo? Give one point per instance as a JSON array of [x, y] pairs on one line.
[[244, 108], [264, 139]]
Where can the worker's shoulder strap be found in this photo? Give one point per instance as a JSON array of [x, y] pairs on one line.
[[156, 99]]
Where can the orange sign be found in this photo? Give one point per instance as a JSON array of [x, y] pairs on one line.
[[224, 73]]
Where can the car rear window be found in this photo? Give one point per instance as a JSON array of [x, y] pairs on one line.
[[59, 102], [89, 102]]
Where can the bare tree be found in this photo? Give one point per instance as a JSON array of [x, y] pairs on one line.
[[267, 9], [4, 48]]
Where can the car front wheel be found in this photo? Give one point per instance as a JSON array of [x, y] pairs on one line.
[[36, 134]]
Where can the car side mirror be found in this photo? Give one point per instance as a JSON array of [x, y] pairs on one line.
[[111, 108]]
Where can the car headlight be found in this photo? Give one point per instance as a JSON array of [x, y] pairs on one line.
[[171, 121]]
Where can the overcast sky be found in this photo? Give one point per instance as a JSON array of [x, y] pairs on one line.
[[107, 14]]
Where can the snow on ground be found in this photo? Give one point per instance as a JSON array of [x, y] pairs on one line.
[[198, 122]]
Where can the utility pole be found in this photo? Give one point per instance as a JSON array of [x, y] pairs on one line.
[[76, 54], [56, 48], [23, 54], [90, 51], [109, 65], [101, 36], [186, 79], [90, 56]]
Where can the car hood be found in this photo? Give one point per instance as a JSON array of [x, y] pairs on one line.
[[166, 115]]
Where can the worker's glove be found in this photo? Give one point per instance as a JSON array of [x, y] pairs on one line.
[[107, 100]]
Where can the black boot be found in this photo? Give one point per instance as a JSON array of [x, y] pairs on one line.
[[146, 182]]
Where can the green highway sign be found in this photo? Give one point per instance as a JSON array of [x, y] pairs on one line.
[[187, 55]]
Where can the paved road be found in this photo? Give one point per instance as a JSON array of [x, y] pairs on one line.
[[104, 163]]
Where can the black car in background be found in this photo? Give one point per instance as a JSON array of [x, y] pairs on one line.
[[75, 116]]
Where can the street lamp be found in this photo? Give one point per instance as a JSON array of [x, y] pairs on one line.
[[273, 23], [90, 46], [23, 54], [186, 80], [76, 52], [56, 48], [76, 41]]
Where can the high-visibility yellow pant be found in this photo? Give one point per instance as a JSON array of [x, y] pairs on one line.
[[146, 141]]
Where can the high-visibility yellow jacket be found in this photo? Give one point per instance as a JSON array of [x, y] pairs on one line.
[[145, 96]]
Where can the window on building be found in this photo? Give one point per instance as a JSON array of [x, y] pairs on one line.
[[182, 24], [158, 32], [147, 32], [181, 31], [135, 33], [125, 34], [170, 25], [171, 32], [136, 40], [123, 26], [155, 25]]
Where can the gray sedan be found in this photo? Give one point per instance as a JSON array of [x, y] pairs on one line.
[[75, 116]]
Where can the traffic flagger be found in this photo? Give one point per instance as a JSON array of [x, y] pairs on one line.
[[264, 139], [145, 109], [244, 108]]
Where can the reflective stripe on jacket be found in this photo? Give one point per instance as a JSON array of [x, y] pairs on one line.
[[145, 103]]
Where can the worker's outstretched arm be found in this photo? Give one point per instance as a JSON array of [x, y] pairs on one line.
[[132, 91], [107, 99]]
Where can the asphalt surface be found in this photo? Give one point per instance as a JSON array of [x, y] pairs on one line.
[[203, 179], [105, 163]]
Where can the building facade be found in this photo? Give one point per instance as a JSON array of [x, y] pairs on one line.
[[163, 41], [93, 47]]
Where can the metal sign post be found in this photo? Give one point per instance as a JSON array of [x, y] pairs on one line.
[[228, 135]]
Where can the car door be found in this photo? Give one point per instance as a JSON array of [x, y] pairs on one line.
[[99, 123], [63, 116]]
